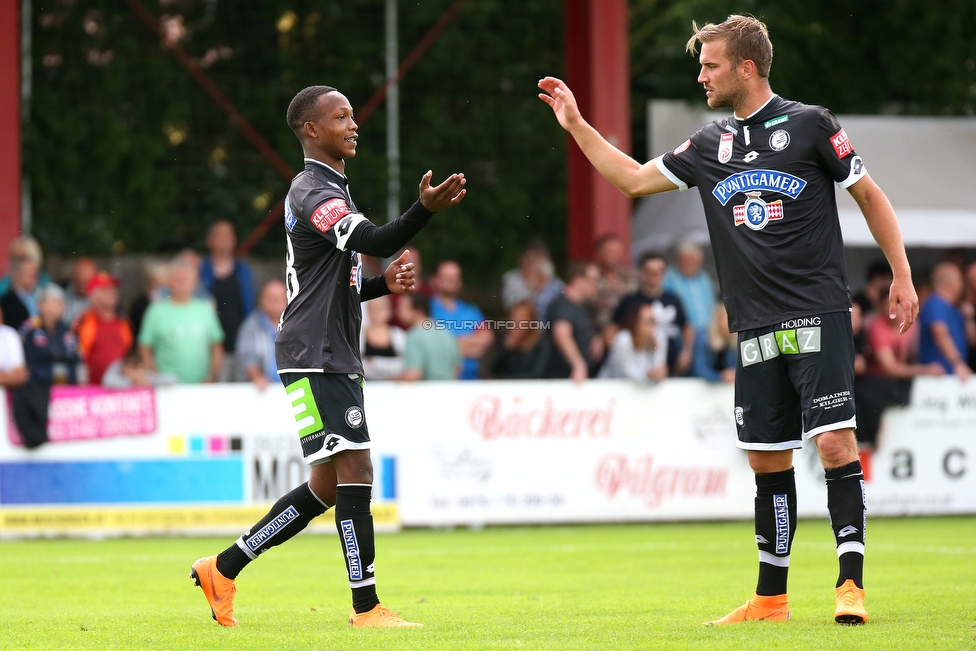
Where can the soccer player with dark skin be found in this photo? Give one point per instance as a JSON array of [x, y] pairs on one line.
[[321, 324], [780, 265]]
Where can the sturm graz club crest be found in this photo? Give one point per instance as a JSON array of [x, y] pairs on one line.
[[756, 213]]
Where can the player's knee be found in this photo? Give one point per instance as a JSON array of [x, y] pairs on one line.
[[353, 467], [837, 448], [763, 461]]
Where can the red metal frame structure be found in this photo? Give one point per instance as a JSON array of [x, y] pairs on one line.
[[10, 172], [597, 70]]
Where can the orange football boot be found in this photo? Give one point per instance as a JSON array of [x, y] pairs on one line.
[[850, 604], [218, 590], [759, 608], [379, 617]]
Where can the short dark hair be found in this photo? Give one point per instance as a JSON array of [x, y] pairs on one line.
[[301, 109], [578, 269], [420, 302], [649, 255]]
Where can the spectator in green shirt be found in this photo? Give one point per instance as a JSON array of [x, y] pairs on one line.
[[181, 334], [430, 353]]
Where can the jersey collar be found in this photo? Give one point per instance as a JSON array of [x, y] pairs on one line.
[[326, 166], [757, 111]]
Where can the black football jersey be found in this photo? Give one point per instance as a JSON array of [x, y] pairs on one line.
[[767, 185], [319, 330]]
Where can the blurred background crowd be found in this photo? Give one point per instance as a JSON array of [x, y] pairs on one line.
[[208, 317]]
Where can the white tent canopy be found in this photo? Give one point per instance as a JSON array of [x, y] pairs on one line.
[[924, 165]]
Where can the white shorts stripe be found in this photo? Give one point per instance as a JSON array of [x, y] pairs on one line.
[[845, 424], [782, 445], [850, 547], [770, 559]]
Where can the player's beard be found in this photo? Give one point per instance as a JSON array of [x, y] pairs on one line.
[[733, 97]]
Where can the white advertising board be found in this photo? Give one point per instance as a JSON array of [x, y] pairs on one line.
[[212, 457]]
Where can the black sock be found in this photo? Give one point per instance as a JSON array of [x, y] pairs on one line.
[[287, 517], [848, 518], [355, 525], [775, 526]]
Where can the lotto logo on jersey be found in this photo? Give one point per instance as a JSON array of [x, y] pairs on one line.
[[725, 148], [682, 147], [842, 144], [329, 213], [756, 213]]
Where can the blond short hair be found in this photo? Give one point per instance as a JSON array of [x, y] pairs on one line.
[[746, 39]]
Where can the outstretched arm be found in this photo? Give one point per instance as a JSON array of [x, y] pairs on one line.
[[632, 178], [383, 241], [883, 224]]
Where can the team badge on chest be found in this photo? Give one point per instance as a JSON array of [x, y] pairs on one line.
[[756, 213], [725, 148]]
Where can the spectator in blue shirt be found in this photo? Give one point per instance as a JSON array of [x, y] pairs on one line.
[[256, 337], [231, 283], [945, 332], [689, 282], [464, 320]]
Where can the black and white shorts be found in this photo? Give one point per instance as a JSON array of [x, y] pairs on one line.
[[793, 380], [328, 409]]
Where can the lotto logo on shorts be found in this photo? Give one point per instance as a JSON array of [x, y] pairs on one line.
[[782, 515], [779, 342], [352, 550]]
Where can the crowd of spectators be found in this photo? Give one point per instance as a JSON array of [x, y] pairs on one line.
[[204, 319]]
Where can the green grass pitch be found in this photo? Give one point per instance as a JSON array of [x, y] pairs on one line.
[[646, 586]]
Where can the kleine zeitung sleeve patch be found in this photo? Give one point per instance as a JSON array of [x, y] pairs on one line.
[[329, 213], [842, 144]]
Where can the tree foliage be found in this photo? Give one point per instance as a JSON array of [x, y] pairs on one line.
[[898, 57], [124, 149]]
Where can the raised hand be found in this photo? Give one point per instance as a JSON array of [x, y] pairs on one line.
[[400, 276], [445, 195], [561, 100]]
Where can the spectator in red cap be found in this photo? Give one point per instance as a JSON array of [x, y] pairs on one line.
[[103, 336]]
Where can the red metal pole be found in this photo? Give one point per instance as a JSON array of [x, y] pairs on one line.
[[10, 156], [598, 72]]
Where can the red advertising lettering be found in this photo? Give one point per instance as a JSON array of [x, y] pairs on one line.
[[494, 418], [641, 478]]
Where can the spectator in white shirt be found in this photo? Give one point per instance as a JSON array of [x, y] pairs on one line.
[[640, 350]]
